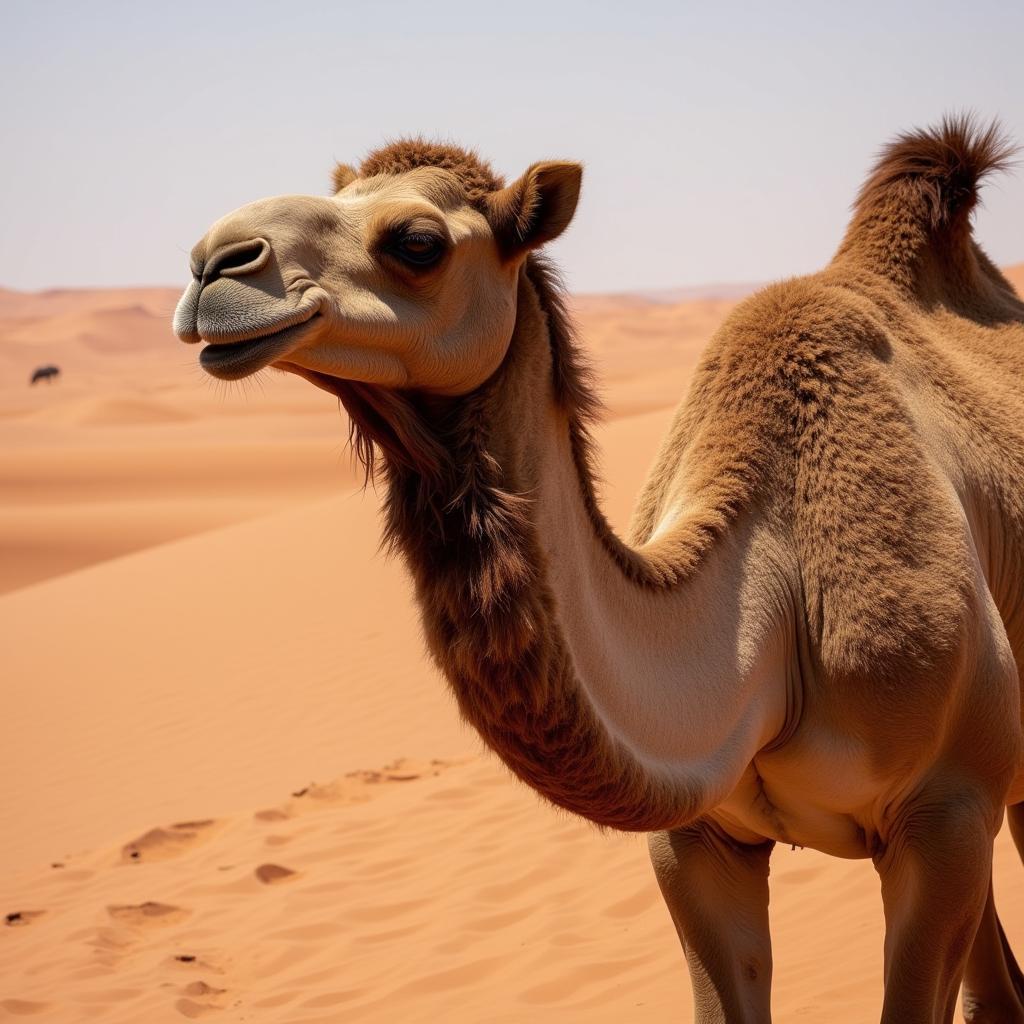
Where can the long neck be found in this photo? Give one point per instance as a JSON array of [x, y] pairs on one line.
[[561, 643]]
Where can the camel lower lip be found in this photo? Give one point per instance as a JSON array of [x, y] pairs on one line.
[[231, 361]]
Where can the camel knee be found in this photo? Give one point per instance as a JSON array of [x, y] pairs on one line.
[[701, 856]]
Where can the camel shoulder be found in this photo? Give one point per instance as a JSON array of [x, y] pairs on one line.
[[876, 529]]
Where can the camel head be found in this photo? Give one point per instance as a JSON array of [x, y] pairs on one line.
[[405, 278]]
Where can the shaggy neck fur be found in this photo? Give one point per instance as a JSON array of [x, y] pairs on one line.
[[464, 507]]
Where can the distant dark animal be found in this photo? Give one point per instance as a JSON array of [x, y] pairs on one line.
[[44, 373]]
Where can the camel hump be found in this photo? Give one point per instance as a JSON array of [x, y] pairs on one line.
[[921, 192], [942, 166]]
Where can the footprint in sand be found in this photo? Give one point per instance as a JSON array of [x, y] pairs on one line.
[[314, 796], [20, 918], [165, 843], [273, 874], [199, 999], [403, 770], [354, 787], [272, 814], [148, 913], [194, 1010], [200, 988]]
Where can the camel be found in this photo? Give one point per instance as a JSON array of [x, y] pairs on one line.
[[814, 631], [48, 373]]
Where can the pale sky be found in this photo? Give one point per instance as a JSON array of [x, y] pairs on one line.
[[722, 141]]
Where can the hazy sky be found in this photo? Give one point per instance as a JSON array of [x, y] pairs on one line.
[[722, 141]]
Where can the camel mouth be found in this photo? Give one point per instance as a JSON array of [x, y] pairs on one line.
[[243, 357]]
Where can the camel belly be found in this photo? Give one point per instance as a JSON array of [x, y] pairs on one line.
[[826, 792], [800, 804], [837, 835]]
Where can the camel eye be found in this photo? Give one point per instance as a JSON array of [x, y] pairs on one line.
[[418, 248]]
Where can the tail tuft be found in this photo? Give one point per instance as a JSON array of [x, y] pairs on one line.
[[945, 163]]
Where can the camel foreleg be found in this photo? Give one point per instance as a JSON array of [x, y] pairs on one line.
[[935, 870], [717, 893]]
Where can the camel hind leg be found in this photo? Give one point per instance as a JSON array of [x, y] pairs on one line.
[[993, 982]]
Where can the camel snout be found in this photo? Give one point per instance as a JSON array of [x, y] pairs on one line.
[[237, 293], [239, 301], [253, 272]]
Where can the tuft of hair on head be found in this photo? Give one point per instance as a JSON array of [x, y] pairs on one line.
[[475, 175], [945, 163]]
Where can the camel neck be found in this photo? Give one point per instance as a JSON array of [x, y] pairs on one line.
[[560, 642]]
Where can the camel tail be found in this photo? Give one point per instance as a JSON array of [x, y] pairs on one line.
[[922, 190]]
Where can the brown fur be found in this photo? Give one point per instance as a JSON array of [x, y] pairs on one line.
[[474, 175], [943, 167]]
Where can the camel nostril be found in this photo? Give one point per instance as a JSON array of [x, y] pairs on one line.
[[237, 260]]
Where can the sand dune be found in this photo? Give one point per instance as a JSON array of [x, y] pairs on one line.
[[133, 421], [202, 638], [237, 790]]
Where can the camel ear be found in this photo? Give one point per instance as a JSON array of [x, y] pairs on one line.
[[536, 208], [342, 175]]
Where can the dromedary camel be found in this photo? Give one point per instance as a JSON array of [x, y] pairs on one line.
[[813, 636]]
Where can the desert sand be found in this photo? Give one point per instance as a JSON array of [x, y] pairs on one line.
[[235, 788]]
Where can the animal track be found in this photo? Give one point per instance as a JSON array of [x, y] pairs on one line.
[[199, 999], [353, 787], [148, 913], [273, 874], [164, 843], [200, 988]]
